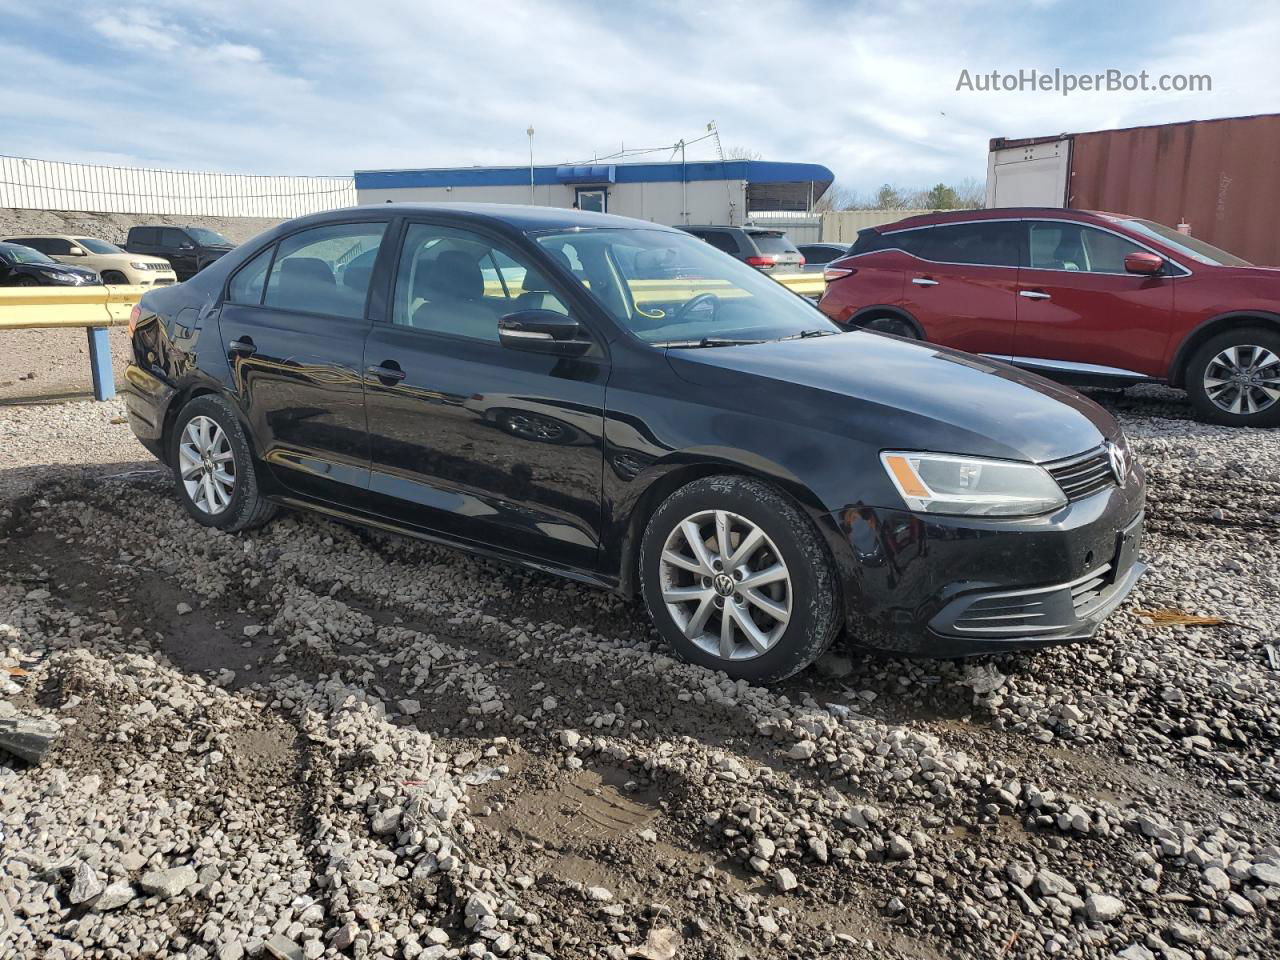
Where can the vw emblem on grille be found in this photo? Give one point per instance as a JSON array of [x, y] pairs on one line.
[[1119, 461]]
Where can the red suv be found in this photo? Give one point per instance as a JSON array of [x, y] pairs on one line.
[[1094, 298]]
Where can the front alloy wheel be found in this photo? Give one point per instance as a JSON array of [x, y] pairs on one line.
[[207, 464], [725, 585], [1243, 379], [1234, 378], [737, 578]]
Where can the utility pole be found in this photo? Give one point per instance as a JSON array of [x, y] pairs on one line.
[[530, 133], [684, 185]]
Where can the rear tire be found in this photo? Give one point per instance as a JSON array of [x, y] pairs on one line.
[[214, 473], [776, 586], [894, 325], [1234, 378]]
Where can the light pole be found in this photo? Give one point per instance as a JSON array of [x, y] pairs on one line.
[[530, 133]]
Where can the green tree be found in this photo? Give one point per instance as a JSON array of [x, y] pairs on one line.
[[889, 197], [941, 197]]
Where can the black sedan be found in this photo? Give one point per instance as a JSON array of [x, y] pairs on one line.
[[622, 404], [24, 267]]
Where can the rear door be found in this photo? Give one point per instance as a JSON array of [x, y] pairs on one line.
[[468, 438], [1078, 305], [962, 284], [294, 324]]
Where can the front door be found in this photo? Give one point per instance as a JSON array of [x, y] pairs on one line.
[[961, 287], [294, 325], [470, 439], [1078, 305]]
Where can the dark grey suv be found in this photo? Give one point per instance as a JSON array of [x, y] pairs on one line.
[[760, 247]]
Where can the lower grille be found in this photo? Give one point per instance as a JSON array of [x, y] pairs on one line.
[[1085, 593], [1083, 475]]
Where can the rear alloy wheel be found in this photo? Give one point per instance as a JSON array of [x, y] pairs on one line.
[[893, 325], [213, 467], [1234, 378], [738, 579]]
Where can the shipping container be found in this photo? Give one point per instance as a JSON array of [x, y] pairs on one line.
[[1214, 178]]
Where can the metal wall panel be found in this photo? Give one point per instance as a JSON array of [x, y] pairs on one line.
[[1219, 176], [52, 185]]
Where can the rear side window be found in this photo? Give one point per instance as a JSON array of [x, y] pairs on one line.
[[983, 243], [148, 235], [910, 241], [721, 241], [247, 284], [774, 243], [322, 270], [35, 243]]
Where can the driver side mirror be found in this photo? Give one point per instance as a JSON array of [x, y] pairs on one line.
[[186, 245], [76, 252], [1143, 263], [543, 331]]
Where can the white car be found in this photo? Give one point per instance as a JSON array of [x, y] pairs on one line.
[[112, 264]]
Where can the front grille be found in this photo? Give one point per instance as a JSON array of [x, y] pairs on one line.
[[1083, 475]]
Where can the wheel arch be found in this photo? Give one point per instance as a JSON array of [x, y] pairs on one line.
[[863, 315], [1210, 328], [679, 474]]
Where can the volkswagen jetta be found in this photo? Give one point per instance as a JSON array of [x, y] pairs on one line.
[[622, 404]]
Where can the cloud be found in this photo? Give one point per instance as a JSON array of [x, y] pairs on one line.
[[320, 86]]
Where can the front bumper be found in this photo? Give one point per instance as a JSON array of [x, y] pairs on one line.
[[959, 586]]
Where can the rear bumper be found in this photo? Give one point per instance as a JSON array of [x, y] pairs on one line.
[[954, 586], [146, 400]]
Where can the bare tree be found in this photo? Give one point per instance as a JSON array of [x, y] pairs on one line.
[[742, 153], [972, 193]]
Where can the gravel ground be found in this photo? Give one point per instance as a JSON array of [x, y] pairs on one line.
[[314, 740]]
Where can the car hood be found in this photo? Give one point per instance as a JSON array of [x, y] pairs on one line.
[[903, 392], [57, 267]]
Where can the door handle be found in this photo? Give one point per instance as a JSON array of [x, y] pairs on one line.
[[924, 282], [389, 370], [1034, 294], [244, 346]]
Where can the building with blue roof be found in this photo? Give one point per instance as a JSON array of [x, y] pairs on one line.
[[709, 191]]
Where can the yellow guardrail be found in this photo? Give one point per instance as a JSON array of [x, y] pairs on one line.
[[27, 308]]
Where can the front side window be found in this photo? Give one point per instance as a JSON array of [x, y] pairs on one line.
[[457, 282], [670, 289], [1061, 245], [315, 270], [173, 239], [983, 243]]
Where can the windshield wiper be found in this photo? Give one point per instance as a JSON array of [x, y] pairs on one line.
[[806, 334], [704, 342]]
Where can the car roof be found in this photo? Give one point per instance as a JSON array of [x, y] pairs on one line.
[[527, 219], [996, 213]]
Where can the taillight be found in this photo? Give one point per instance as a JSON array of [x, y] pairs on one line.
[[760, 261], [801, 263], [134, 316], [835, 273]]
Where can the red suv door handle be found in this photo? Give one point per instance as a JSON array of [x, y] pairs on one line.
[[924, 281], [1034, 294]]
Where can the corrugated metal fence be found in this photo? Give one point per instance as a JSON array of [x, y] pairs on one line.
[[53, 185], [834, 226]]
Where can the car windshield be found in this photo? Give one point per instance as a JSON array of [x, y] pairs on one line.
[[97, 246], [672, 289], [1186, 245], [207, 237], [16, 253]]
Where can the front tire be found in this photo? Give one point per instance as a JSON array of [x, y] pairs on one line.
[[737, 578], [1234, 378], [114, 278], [214, 472]]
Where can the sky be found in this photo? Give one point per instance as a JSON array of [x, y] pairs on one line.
[[321, 87]]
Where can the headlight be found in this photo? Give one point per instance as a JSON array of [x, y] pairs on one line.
[[139, 265], [945, 483]]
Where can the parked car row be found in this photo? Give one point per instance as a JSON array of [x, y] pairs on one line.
[[620, 403], [1093, 298], [152, 256]]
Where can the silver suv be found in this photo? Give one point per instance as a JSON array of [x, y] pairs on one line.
[[760, 247]]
